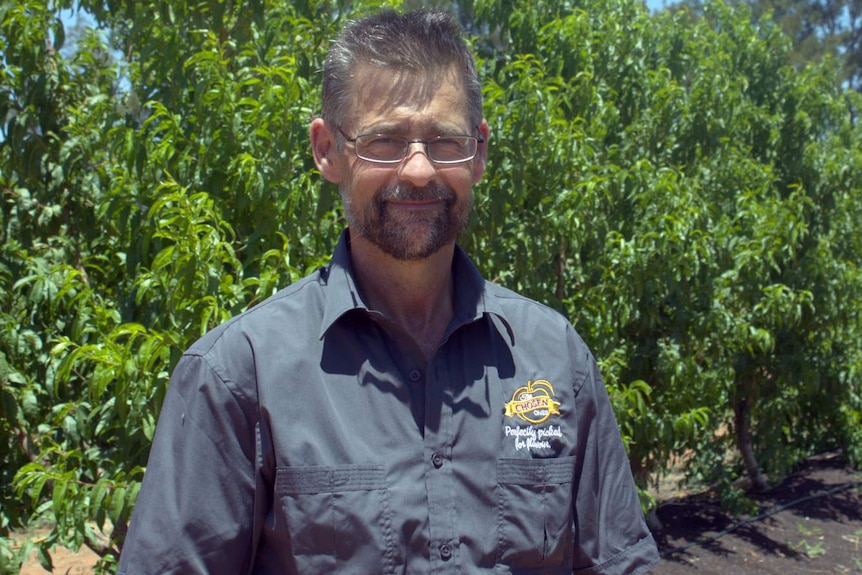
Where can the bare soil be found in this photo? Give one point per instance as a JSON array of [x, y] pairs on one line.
[[66, 562], [810, 524]]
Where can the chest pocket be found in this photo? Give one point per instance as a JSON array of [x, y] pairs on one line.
[[534, 519], [338, 518]]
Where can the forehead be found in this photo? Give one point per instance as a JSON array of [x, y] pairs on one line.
[[406, 100]]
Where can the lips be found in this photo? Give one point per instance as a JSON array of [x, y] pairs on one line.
[[415, 204], [408, 193]]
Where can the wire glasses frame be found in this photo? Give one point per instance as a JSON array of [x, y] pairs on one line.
[[386, 149]]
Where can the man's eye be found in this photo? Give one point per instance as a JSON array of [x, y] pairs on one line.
[[385, 141], [448, 143], [449, 148]]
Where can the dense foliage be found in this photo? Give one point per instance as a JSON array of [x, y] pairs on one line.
[[819, 29], [687, 197]]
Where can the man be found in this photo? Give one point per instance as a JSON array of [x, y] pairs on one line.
[[393, 412]]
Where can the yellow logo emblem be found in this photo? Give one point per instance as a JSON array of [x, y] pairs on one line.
[[534, 403]]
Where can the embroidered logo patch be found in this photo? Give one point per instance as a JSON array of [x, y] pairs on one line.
[[534, 403]]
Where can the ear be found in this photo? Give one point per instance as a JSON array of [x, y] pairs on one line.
[[325, 150], [481, 159]]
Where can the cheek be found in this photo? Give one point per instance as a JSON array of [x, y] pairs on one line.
[[362, 183], [462, 180]]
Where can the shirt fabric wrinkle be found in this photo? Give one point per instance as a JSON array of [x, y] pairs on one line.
[[346, 480]]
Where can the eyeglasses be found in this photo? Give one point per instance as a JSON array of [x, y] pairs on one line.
[[386, 149]]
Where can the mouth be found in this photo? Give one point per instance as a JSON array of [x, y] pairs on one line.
[[416, 204], [405, 194]]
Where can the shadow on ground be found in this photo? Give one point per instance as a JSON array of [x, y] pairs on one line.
[[809, 524]]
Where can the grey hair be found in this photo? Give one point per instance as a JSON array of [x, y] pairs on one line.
[[418, 41]]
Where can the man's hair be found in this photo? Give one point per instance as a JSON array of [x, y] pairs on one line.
[[418, 41]]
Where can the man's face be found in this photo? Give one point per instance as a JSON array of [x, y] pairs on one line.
[[412, 209]]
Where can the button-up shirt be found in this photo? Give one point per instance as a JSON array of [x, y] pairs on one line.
[[302, 438]]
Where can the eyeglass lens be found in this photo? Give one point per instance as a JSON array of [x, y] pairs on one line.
[[393, 149]]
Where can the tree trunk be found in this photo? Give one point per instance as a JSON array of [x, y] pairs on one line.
[[746, 449]]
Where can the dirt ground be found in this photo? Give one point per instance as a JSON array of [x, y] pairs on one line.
[[810, 524]]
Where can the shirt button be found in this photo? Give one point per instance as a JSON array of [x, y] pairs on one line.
[[415, 375], [445, 552], [437, 460]]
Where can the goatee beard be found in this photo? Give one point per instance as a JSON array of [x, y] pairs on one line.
[[410, 236]]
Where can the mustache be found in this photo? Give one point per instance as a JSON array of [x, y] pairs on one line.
[[434, 191]]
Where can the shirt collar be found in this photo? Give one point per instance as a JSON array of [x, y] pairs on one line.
[[472, 300], [342, 295]]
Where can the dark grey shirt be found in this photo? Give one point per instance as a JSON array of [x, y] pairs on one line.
[[300, 438]]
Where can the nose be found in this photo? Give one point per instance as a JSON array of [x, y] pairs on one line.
[[417, 167]]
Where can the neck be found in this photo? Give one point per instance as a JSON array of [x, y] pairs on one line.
[[415, 295]]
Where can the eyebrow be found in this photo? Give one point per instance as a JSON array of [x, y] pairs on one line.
[[399, 128]]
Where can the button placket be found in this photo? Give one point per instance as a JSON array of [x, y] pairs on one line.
[[439, 480]]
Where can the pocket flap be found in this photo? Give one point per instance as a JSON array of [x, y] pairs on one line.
[[536, 471], [336, 479]]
